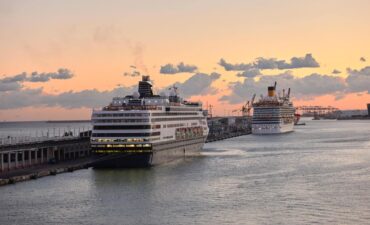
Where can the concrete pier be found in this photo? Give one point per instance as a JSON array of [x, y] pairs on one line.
[[221, 128], [20, 161], [19, 156], [42, 170]]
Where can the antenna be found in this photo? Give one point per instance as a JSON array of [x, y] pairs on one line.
[[288, 96], [275, 85]]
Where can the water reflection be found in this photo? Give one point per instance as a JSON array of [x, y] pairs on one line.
[[317, 174]]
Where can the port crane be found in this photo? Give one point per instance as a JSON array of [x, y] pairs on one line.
[[246, 108], [318, 110]]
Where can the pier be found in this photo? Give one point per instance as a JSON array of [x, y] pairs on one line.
[[221, 128], [26, 158], [24, 153]]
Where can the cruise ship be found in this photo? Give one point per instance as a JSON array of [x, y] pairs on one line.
[[273, 114], [144, 129]]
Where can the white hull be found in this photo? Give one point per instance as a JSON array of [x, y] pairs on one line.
[[272, 128]]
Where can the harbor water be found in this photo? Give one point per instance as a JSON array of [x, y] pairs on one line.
[[320, 173], [41, 128]]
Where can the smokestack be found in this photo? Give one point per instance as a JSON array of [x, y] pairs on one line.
[[271, 91], [145, 87], [288, 93]]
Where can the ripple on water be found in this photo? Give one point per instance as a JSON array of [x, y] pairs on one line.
[[317, 174]]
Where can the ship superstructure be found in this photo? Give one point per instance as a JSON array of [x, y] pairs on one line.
[[144, 129], [273, 114]]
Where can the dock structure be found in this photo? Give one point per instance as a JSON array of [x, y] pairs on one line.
[[309, 111], [23, 159], [22, 154], [221, 128]]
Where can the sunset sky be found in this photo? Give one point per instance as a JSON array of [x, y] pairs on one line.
[[59, 59]]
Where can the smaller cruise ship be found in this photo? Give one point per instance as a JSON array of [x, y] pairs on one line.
[[273, 114], [145, 129]]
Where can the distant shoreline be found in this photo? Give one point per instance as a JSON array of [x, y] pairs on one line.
[[47, 121]]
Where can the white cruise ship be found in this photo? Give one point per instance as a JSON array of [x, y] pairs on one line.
[[273, 114], [144, 129]]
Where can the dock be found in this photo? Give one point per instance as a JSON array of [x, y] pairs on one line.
[[32, 158], [35, 152], [221, 128], [42, 170]]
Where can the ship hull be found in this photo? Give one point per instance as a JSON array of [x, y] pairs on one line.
[[162, 153], [261, 129]]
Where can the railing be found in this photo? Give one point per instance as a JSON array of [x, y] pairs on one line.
[[29, 140], [5, 141]]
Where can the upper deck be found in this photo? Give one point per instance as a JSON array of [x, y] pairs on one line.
[[145, 100]]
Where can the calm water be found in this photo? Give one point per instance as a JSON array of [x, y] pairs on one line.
[[318, 174], [41, 128]]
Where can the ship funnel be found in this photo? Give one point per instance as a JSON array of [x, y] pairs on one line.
[[271, 91], [145, 87]]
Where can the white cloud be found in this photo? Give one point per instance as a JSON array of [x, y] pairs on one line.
[[16, 78], [61, 74], [359, 80], [335, 71], [16, 97], [302, 88], [14, 82], [250, 73], [234, 67], [179, 68], [168, 69], [271, 63], [198, 84], [10, 86], [36, 98]]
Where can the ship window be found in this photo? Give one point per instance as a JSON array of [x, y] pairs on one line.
[[125, 134], [115, 127], [175, 119]]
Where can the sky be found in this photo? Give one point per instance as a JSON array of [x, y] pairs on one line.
[[60, 59]]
